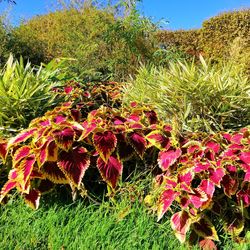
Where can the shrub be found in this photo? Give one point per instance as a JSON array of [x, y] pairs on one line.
[[25, 92], [219, 32], [205, 183], [4, 38], [60, 147], [200, 97], [186, 41], [102, 44], [205, 176]]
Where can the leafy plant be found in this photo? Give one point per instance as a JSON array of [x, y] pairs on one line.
[[202, 97], [111, 48], [25, 91], [205, 180], [59, 148]]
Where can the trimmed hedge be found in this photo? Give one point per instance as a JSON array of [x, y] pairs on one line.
[[186, 41], [218, 33], [216, 39]]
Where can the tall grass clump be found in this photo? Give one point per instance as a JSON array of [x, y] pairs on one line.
[[199, 96], [25, 91]]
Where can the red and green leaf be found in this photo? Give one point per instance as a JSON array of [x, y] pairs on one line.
[[64, 138], [167, 158], [234, 222], [158, 140], [20, 154], [180, 223], [230, 184], [52, 172], [205, 229], [105, 144], [8, 186], [138, 142], [33, 198], [3, 150], [22, 137], [110, 170], [74, 164]]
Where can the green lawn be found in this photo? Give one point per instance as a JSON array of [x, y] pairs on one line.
[[81, 226]]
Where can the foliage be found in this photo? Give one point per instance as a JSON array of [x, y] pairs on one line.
[[200, 97], [219, 32], [239, 54], [59, 147], [185, 41], [205, 180], [112, 47], [69, 146], [4, 38], [25, 91]]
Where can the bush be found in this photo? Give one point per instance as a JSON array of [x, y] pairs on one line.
[[186, 41], [26, 92], [103, 46], [219, 32], [205, 186], [200, 97], [4, 38], [205, 176]]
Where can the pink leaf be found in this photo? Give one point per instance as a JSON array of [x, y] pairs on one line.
[[216, 175], [245, 157], [22, 137], [166, 200], [20, 154], [207, 244], [9, 185], [168, 158], [180, 223], [207, 187]]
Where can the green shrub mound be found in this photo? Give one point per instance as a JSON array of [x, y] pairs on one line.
[[219, 32], [5, 40], [184, 40], [101, 44], [222, 37], [26, 92], [203, 97]]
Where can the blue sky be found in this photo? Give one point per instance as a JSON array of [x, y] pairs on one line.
[[181, 14]]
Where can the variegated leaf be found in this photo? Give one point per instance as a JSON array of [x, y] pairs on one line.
[[32, 198], [180, 223], [167, 158], [110, 171], [74, 164], [105, 144]]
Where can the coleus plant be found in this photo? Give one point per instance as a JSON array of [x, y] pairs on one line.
[[205, 177], [202, 174], [59, 147]]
